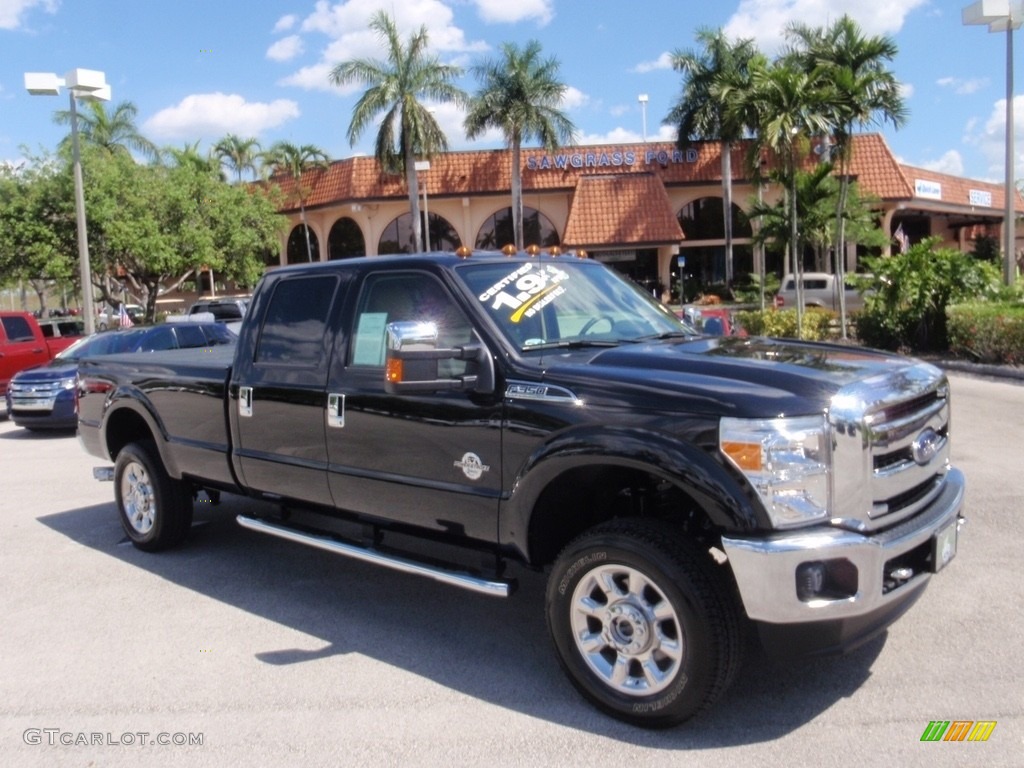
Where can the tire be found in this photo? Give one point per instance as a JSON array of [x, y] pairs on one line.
[[155, 509], [642, 623]]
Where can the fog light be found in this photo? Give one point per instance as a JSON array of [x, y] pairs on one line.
[[810, 581]]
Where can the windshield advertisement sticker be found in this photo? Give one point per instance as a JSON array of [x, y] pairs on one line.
[[527, 290]]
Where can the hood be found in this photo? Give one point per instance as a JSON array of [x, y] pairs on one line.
[[751, 378], [52, 371]]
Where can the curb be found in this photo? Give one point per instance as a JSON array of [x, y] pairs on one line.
[[1007, 372]]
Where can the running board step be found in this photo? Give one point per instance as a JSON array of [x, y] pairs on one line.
[[501, 588]]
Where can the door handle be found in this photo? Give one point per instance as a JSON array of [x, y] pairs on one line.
[[245, 401], [335, 410]]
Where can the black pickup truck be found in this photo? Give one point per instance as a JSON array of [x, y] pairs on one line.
[[450, 414]]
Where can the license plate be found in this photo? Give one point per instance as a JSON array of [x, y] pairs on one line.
[[944, 547]]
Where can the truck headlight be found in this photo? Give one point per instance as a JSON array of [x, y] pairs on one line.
[[787, 460]]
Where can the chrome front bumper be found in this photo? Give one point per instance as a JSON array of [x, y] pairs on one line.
[[766, 568]]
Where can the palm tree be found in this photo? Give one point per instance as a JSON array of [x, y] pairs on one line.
[[865, 92], [793, 105], [240, 154], [701, 114], [190, 156], [395, 87], [285, 157], [114, 131], [520, 94]]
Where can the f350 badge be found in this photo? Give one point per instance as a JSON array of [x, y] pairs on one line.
[[471, 466]]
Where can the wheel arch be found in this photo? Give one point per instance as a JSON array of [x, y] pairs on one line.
[[592, 478], [129, 420]]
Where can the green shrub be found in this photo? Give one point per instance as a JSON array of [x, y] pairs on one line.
[[988, 333], [907, 309], [781, 323]]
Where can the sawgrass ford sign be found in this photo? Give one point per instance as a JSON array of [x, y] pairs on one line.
[[613, 159]]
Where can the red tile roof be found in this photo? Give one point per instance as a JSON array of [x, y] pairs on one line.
[[458, 174], [625, 209]]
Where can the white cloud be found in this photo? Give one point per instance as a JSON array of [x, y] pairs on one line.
[[286, 48], [627, 136], [285, 23], [11, 11], [990, 137], [664, 61], [765, 20], [506, 12], [963, 87], [951, 162], [215, 114], [574, 98], [346, 24]]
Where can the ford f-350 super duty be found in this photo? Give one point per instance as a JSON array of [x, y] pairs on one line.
[[450, 414]]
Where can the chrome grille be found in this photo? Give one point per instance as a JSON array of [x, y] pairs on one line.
[[890, 446], [34, 396]]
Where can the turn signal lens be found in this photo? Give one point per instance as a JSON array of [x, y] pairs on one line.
[[393, 372]]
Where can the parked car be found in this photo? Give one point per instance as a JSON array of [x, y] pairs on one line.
[[44, 397], [820, 290], [23, 344], [110, 318], [225, 309], [62, 327]]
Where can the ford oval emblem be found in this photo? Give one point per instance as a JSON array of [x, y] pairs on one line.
[[926, 446]]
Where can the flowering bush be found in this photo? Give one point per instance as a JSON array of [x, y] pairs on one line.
[[781, 323], [988, 333]]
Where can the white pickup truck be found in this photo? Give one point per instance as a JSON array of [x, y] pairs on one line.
[[820, 290]]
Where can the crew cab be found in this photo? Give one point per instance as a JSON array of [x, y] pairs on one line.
[[449, 414], [24, 345], [821, 290]]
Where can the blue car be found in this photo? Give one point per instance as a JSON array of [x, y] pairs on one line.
[[44, 397]]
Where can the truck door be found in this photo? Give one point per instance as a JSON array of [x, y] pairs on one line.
[[429, 459], [20, 347], [279, 391]]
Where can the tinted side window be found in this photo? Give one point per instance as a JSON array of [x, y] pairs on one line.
[[190, 336], [389, 298], [18, 329], [296, 321], [158, 338]]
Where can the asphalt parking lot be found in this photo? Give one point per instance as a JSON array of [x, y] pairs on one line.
[[262, 652]]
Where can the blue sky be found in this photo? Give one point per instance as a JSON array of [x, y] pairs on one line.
[[198, 69]]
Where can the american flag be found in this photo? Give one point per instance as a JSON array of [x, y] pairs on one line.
[[902, 239], [123, 318]]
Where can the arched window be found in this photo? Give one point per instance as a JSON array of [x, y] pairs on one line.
[[297, 246], [345, 240], [398, 237], [496, 232], [702, 220]]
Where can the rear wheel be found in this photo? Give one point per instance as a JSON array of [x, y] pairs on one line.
[[155, 509], [642, 622]]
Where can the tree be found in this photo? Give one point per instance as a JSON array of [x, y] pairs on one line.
[[793, 105], [114, 131], [703, 112], [865, 91], [239, 154], [520, 94], [190, 155], [294, 160], [395, 88]]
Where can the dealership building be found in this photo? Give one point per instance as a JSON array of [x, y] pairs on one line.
[[648, 209]]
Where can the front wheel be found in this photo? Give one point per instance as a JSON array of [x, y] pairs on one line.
[[155, 509], [643, 623]]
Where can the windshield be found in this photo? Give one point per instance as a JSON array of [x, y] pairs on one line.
[[105, 343], [541, 304]]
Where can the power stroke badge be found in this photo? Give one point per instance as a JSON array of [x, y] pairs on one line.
[[471, 466]]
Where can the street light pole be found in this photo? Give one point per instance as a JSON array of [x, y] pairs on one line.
[[424, 165], [88, 85], [1002, 15], [642, 98]]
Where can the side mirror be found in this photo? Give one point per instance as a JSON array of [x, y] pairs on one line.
[[412, 357]]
